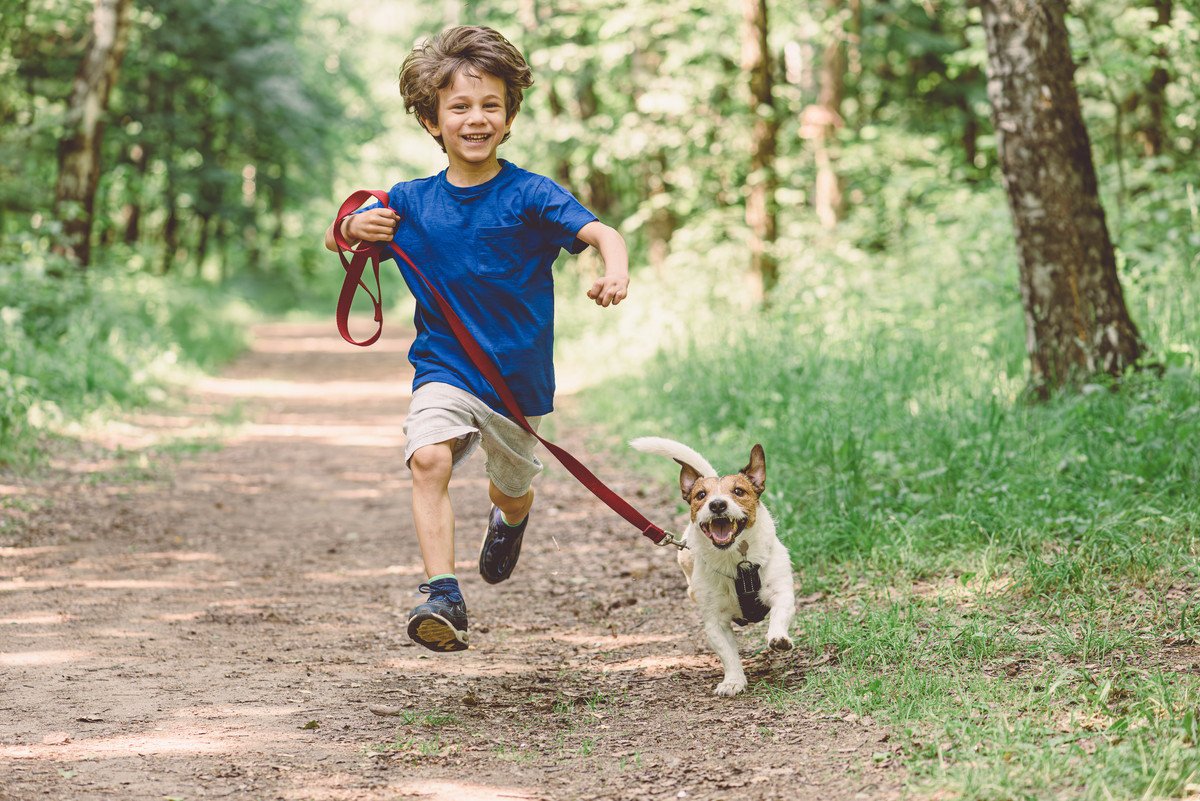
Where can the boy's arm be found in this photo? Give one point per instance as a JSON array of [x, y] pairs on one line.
[[374, 225], [613, 286]]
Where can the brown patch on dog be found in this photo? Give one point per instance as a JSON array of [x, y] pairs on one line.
[[743, 487], [736, 488]]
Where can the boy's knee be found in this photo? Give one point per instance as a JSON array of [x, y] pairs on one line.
[[432, 461]]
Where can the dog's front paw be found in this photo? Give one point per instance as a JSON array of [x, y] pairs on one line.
[[783, 643], [730, 687]]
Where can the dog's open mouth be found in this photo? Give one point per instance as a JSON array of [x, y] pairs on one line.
[[722, 530]]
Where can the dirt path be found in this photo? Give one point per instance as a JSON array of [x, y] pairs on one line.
[[221, 629]]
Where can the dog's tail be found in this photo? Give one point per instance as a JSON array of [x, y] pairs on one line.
[[677, 451]]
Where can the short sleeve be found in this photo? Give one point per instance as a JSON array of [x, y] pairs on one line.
[[562, 216]]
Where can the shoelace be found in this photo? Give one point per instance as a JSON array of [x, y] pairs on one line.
[[440, 593]]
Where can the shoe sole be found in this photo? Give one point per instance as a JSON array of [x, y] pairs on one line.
[[436, 633]]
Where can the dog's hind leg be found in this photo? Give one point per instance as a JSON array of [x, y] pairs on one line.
[[720, 636]]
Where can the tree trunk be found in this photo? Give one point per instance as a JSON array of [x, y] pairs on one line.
[[761, 217], [1151, 133], [79, 150], [1075, 317], [821, 121]]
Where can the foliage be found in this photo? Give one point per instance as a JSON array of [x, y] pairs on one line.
[[957, 533], [114, 337]]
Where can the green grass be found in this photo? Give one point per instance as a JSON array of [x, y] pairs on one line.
[[1008, 586], [98, 342]]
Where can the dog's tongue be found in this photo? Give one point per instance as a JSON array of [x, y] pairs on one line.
[[721, 528]]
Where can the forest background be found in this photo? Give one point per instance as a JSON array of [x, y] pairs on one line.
[[1008, 575]]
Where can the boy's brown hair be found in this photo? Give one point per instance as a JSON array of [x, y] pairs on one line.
[[474, 50]]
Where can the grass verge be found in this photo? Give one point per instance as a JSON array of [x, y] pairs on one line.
[[1009, 587]]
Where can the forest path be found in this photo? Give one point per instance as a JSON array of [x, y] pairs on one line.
[[220, 629]]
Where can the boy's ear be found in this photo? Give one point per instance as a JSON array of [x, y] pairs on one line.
[[432, 128]]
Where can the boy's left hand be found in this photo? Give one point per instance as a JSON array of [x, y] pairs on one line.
[[609, 289]]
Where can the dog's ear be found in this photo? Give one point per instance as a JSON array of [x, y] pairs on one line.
[[756, 471], [688, 477]]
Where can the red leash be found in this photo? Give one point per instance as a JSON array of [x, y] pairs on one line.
[[370, 252]]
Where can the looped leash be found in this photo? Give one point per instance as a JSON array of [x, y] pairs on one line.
[[355, 266], [370, 251]]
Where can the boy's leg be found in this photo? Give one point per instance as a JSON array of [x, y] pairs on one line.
[[433, 516], [440, 623], [441, 432], [511, 468], [515, 509]]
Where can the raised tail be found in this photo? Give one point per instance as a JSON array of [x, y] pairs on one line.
[[677, 451]]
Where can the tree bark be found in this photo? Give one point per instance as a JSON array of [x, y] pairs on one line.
[[1076, 322], [1151, 132], [761, 216], [821, 121], [79, 150]]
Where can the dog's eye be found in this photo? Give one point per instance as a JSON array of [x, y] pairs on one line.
[[738, 491], [701, 495]]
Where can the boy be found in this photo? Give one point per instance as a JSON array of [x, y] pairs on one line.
[[486, 232]]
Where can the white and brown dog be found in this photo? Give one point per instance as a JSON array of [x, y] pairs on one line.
[[737, 569]]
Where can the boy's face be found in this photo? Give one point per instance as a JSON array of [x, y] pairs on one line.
[[471, 118]]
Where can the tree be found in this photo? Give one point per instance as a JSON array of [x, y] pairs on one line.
[[821, 121], [79, 150], [1075, 317], [761, 216]]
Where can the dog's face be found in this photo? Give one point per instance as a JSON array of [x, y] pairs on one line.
[[726, 506]]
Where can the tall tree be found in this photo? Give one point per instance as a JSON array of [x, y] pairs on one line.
[[821, 121], [761, 217], [1075, 316], [79, 150], [1150, 132]]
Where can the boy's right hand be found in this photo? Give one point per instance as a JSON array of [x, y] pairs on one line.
[[375, 225]]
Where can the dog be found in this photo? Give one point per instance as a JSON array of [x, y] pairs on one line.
[[737, 569]]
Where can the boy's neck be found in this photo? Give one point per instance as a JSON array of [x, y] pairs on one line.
[[465, 174]]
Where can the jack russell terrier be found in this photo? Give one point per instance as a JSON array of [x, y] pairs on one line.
[[737, 569]]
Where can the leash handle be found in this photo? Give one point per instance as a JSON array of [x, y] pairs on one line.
[[355, 266], [370, 251]]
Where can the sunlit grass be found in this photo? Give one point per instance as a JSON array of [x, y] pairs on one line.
[[1007, 585]]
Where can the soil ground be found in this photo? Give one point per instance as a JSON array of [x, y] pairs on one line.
[[230, 623]]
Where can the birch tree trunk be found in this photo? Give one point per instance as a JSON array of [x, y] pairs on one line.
[[79, 150], [761, 217], [1076, 323]]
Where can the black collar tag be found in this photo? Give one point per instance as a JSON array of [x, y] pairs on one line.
[[747, 585]]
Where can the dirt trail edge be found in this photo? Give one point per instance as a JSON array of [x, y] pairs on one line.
[[232, 627]]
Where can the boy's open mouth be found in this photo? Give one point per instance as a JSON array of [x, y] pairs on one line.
[[477, 137], [722, 530]]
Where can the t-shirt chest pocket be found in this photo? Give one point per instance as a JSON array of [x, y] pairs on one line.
[[503, 250]]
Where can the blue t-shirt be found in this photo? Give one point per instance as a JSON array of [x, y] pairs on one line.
[[489, 250]]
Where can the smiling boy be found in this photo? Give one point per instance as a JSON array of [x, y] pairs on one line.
[[488, 233]]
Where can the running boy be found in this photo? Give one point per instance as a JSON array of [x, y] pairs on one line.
[[487, 232]]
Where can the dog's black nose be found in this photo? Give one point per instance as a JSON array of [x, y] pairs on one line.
[[718, 506]]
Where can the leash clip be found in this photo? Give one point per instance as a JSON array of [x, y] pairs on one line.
[[672, 539]]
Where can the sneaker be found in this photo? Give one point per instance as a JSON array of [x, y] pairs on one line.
[[501, 548], [440, 624]]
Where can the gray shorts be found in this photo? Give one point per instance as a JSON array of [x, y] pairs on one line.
[[441, 412]]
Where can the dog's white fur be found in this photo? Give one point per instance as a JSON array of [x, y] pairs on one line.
[[709, 569]]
